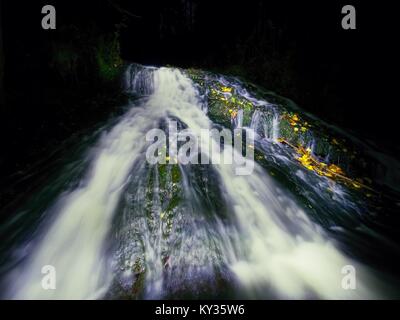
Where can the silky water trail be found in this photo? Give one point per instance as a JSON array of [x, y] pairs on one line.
[[129, 229]]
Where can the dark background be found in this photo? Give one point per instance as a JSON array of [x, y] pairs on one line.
[[295, 48]]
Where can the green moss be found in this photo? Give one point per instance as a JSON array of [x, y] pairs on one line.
[[176, 174], [148, 208], [138, 285], [295, 127], [173, 203], [169, 195]]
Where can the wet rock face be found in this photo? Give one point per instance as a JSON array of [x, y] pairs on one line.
[[169, 249], [234, 103], [165, 230]]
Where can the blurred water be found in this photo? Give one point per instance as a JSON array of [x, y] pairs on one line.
[[117, 234]]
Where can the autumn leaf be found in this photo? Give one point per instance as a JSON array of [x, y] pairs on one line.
[[356, 185], [334, 141], [335, 169], [226, 89]]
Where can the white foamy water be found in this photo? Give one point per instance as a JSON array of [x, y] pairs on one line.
[[275, 251], [285, 251]]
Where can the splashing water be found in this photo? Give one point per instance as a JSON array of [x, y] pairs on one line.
[[111, 233]]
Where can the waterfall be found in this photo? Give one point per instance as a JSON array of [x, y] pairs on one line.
[[258, 124], [238, 121], [267, 244], [275, 127], [139, 80], [266, 126]]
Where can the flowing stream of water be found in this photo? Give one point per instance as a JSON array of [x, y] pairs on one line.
[[180, 230]]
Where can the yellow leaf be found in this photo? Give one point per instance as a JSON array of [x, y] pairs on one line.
[[356, 185], [226, 89], [335, 169]]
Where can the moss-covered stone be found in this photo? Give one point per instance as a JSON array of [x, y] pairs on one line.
[[225, 100]]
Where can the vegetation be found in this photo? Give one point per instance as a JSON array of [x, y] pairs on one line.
[[88, 56], [315, 147]]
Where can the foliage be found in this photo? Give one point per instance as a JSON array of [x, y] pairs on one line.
[[332, 171], [225, 102], [87, 56], [108, 57]]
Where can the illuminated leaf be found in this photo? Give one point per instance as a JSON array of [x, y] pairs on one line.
[[356, 185], [335, 169], [226, 89]]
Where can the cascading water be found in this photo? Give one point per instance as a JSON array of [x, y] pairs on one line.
[[151, 231]]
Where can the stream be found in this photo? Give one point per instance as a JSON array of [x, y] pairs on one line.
[[122, 228]]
